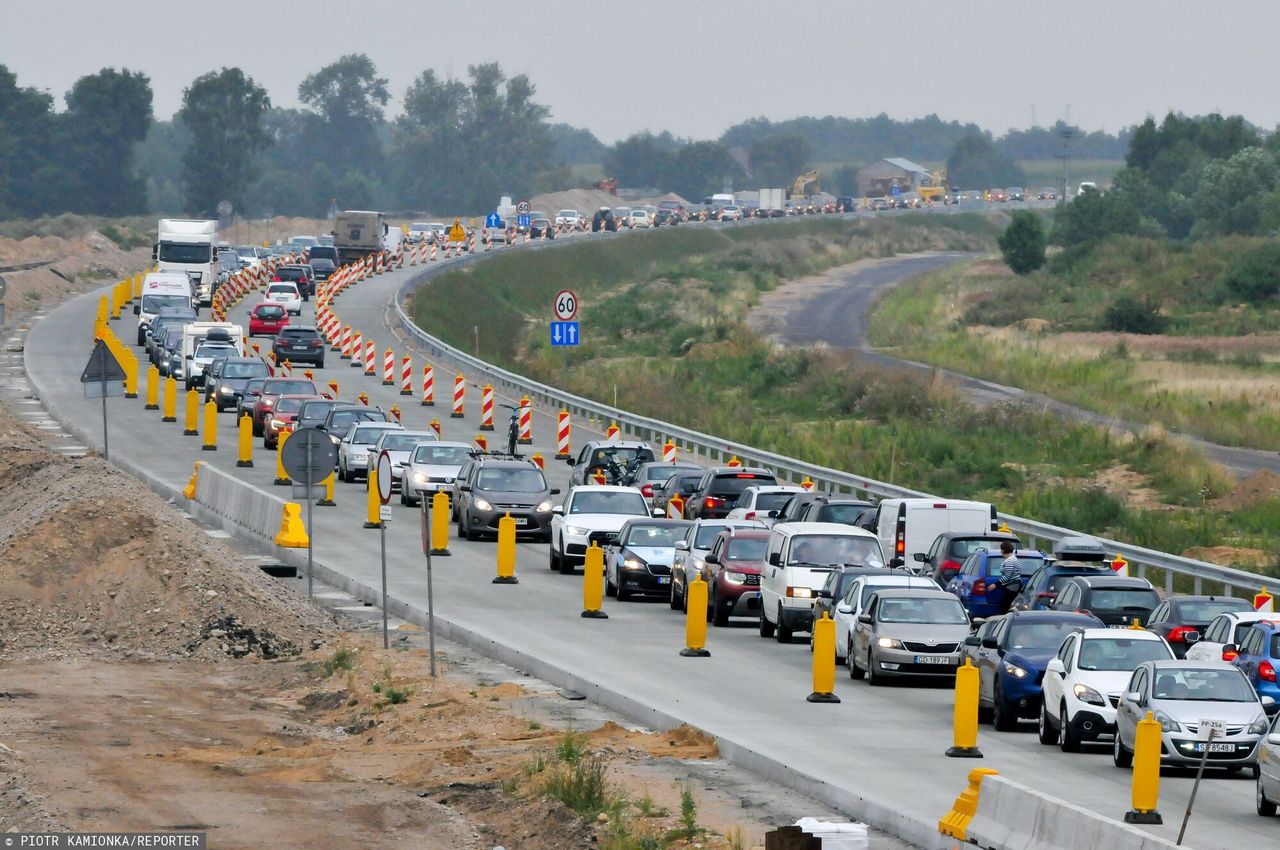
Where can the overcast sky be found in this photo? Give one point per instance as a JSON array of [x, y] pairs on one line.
[[698, 66]]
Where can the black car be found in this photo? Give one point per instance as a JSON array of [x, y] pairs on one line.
[[228, 377], [846, 204], [1181, 620], [639, 561], [312, 413], [299, 344], [604, 220], [342, 416], [249, 397], [301, 275], [323, 267], [951, 548], [1115, 600], [168, 317], [834, 509], [324, 252], [719, 490], [542, 228], [666, 216], [794, 507]]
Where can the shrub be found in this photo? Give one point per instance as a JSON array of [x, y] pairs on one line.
[[1255, 276], [1127, 314], [1022, 243]]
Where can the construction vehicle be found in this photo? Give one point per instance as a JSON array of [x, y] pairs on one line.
[[935, 189], [801, 182], [608, 184]]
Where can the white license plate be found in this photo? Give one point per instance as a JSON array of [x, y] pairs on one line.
[[1119, 626], [664, 579], [932, 659], [1216, 748], [522, 520]]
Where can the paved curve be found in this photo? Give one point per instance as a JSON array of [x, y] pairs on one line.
[[877, 755], [838, 316]]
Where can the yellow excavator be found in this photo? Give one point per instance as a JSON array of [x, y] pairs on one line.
[[801, 182], [935, 189]]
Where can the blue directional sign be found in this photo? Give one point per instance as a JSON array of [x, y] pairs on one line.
[[894, 190], [564, 333], [522, 221], [492, 220]]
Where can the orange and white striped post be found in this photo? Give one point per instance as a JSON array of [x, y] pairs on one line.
[[482, 443], [428, 385], [668, 452], [395, 411], [486, 408], [435, 426], [286, 369], [733, 461], [363, 398], [675, 507], [1264, 601], [1120, 566], [345, 344], [333, 388], [389, 368], [257, 352], [370, 358], [598, 477], [563, 427], [406, 375], [526, 422], [807, 484], [459, 392], [538, 460], [357, 350], [612, 431], [433, 252]]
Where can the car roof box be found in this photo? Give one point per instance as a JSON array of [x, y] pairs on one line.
[[1079, 549]]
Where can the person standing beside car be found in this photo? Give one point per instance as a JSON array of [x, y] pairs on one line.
[[1010, 574]]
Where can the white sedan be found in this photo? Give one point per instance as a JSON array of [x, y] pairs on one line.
[[592, 513], [286, 294], [855, 599], [639, 218]]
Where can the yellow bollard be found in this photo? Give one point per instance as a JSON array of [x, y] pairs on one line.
[[113, 312], [189, 492], [440, 524], [100, 321], [137, 285], [593, 584], [245, 458], [1146, 771], [210, 427], [327, 501], [282, 477], [130, 374], [193, 414], [824, 660], [506, 551], [373, 502], [293, 534], [153, 389], [965, 720], [170, 411], [695, 620], [955, 823]]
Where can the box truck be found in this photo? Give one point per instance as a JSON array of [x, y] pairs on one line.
[[358, 234], [189, 246]]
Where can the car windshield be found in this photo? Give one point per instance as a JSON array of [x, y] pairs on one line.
[[1199, 684], [1120, 653], [771, 501], [1043, 636], [156, 303], [267, 311], [938, 611], [289, 405], [512, 480], [244, 370], [215, 350], [653, 535], [834, 550], [1117, 599], [441, 455], [402, 442], [607, 502], [732, 485], [367, 436], [289, 388], [747, 549], [342, 419], [847, 514], [1202, 611], [184, 252], [314, 411]]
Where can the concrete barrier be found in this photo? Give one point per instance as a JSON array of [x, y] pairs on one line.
[[1014, 817], [229, 497]]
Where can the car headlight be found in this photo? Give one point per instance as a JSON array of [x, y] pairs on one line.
[[1015, 670], [277, 423], [1167, 723], [889, 643], [359, 456], [543, 507], [420, 477], [1084, 693], [482, 504], [577, 530], [633, 564], [226, 390], [1259, 726], [699, 564], [800, 592], [735, 578]]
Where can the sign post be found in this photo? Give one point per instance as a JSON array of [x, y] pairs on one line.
[[564, 330], [425, 520], [309, 457], [102, 377], [385, 482]]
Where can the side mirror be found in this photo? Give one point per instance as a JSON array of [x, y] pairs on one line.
[[555, 491], [569, 461], [1056, 666], [1131, 696], [844, 609], [464, 488], [682, 545], [137, 309], [1191, 637], [972, 640], [558, 510], [823, 593], [1270, 706], [775, 559], [712, 558], [896, 562], [773, 514], [920, 556], [865, 619], [989, 643], [1274, 739]]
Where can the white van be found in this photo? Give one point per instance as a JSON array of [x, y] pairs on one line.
[[798, 558], [908, 527], [160, 290]]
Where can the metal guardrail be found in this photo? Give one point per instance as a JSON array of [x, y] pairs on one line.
[[1159, 567]]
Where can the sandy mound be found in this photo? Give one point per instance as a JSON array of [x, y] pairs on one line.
[[91, 561], [1258, 487], [587, 201]]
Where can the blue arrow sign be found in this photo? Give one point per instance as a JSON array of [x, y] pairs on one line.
[[492, 220], [564, 334], [522, 221]]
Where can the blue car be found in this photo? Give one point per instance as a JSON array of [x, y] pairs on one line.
[[1011, 661], [1258, 657], [978, 582]]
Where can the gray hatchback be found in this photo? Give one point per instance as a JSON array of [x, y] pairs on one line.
[[490, 488]]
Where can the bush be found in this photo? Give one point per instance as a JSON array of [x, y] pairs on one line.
[[1255, 276], [1022, 243], [1127, 314]]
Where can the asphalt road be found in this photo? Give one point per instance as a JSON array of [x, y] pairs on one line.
[[839, 315], [880, 750]]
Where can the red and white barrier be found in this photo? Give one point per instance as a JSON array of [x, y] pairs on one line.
[[563, 427], [346, 342], [389, 369], [428, 386], [486, 408], [370, 358], [357, 350], [526, 422], [406, 375], [669, 452], [459, 392]]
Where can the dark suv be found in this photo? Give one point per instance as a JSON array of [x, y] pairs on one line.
[[1115, 600], [299, 344], [300, 274], [343, 415], [720, 488], [834, 509], [489, 488], [951, 548]]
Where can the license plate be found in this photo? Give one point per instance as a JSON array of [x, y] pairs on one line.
[[664, 579], [298, 347], [1216, 748], [932, 659], [522, 520], [1119, 626]]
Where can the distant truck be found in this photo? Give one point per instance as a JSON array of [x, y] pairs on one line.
[[160, 290], [773, 199], [358, 234], [188, 246]]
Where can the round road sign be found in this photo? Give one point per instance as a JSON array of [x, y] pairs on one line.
[[566, 305], [523, 208], [309, 456], [2, 287], [386, 478]]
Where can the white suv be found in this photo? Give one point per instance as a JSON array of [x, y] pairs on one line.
[[763, 502], [1083, 682], [592, 513], [1225, 629]]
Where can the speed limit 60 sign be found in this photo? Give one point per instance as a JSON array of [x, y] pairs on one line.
[[566, 305]]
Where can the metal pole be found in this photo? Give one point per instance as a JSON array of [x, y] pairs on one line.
[[382, 534], [431, 605], [102, 370], [565, 383], [310, 476], [1204, 757]]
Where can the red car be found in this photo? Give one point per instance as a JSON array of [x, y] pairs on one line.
[[272, 390], [732, 572], [267, 319], [284, 413]]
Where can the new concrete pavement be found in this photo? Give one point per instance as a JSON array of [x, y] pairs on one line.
[[878, 755]]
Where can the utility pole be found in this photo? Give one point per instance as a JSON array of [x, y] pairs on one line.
[[1066, 133]]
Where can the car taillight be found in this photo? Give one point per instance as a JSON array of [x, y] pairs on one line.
[[980, 587], [712, 502], [1046, 596], [647, 491], [949, 564], [1179, 635], [1229, 654], [315, 343], [275, 279], [1266, 672], [281, 341]]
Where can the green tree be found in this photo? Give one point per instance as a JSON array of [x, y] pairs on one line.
[[641, 159], [1022, 243], [976, 161], [1233, 192], [1092, 217], [223, 111], [348, 98], [574, 145], [108, 116], [26, 129], [777, 159], [1255, 275], [701, 168]]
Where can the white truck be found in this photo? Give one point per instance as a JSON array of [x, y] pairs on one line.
[[202, 342], [160, 290], [189, 246], [772, 199], [908, 527]]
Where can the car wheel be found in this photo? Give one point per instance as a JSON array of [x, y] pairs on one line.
[[404, 500], [464, 523], [257, 428], [1266, 808], [766, 628], [566, 566], [873, 678], [320, 364], [1043, 729], [784, 632], [1003, 717], [610, 589], [1067, 740], [719, 613], [674, 601], [1119, 755], [554, 560], [855, 672], [623, 593]]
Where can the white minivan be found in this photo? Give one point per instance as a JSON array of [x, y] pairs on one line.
[[798, 558], [908, 527], [160, 290]]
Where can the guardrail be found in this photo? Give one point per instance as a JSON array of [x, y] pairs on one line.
[[1159, 567]]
